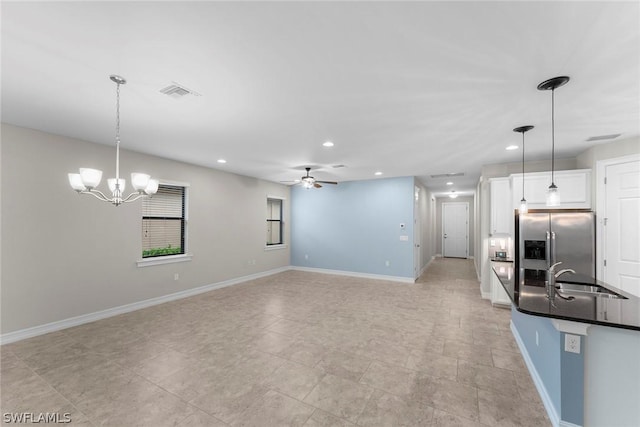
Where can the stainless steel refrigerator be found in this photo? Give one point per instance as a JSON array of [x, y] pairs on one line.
[[544, 237]]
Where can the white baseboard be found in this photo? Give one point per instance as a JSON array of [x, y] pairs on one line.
[[110, 312], [567, 424], [424, 268], [542, 391], [485, 295], [355, 274]]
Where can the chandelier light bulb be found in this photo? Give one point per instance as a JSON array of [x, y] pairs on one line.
[[152, 187], [75, 180], [90, 177], [112, 186], [139, 181]]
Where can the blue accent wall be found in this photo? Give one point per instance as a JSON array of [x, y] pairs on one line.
[[561, 372], [572, 394], [354, 226], [546, 355]]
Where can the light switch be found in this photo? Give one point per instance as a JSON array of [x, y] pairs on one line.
[[404, 238], [493, 242]]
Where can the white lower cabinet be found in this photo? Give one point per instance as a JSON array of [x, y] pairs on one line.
[[498, 294]]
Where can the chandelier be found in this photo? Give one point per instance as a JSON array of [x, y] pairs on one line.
[[88, 179]]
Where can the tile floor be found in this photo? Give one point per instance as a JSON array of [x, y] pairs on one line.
[[296, 348]]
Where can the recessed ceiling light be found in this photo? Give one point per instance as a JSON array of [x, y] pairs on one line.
[[327, 144], [449, 183], [512, 147], [378, 173], [453, 195], [222, 161]]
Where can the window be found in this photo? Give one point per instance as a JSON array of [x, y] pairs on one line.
[[163, 222], [274, 222]]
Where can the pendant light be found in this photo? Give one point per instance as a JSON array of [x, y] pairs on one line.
[[553, 195], [523, 209], [87, 180]]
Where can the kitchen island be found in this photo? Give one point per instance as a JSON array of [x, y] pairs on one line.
[[593, 301], [582, 352]]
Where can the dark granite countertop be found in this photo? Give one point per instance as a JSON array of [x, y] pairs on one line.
[[528, 294]]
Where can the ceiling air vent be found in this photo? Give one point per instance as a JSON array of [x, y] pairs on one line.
[[176, 90], [448, 175], [338, 166], [604, 137]]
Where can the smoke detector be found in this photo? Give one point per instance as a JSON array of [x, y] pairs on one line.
[[176, 91]]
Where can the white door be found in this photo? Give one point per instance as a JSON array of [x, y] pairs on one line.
[[455, 226], [417, 234], [622, 226]]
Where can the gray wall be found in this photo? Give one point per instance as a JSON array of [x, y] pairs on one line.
[[66, 255], [438, 237], [427, 217]]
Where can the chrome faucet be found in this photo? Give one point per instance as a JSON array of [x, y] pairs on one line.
[[552, 275]]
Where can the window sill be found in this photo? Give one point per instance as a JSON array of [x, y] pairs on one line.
[[275, 247], [169, 259]]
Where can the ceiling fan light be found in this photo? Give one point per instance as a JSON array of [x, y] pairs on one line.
[[90, 177], [139, 181], [152, 187], [75, 180]]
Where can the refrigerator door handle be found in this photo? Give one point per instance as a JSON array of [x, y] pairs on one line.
[[553, 248], [548, 250]]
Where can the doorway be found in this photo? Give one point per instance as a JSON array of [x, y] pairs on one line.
[[455, 229], [618, 213]]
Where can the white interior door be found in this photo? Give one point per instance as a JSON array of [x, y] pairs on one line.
[[622, 226], [455, 230]]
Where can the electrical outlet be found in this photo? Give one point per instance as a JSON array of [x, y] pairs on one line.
[[176, 276], [306, 256], [572, 343], [387, 263]]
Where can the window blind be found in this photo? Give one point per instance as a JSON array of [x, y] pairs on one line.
[[163, 222]]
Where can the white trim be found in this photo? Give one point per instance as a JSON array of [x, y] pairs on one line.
[[110, 312], [355, 274], [601, 192], [275, 247], [570, 327], [424, 268], [542, 391], [167, 259], [276, 197], [567, 424], [485, 295]]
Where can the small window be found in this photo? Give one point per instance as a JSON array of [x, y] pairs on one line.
[[163, 222], [274, 222]]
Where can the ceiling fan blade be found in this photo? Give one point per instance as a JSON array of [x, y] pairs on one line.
[[315, 184], [327, 182]]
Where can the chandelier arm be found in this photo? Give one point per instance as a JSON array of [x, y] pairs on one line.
[[133, 197], [97, 194]]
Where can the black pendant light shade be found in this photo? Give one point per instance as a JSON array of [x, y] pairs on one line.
[[523, 202], [553, 196]]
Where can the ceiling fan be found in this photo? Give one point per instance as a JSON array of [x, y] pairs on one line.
[[308, 181]]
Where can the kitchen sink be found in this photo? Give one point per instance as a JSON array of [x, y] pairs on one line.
[[593, 290]]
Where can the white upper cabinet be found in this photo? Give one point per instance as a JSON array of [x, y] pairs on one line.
[[501, 209], [574, 187]]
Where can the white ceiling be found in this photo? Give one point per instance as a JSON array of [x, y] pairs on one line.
[[406, 88]]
